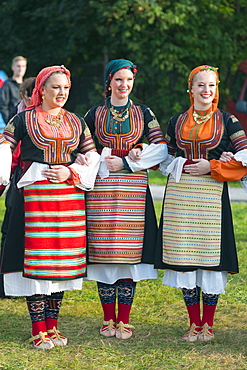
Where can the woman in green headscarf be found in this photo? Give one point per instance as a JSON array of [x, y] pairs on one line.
[[121, 233]]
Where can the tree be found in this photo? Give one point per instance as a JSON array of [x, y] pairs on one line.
[[166, 39]]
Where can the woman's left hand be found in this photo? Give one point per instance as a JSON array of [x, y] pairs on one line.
[[226, 156], [57, 173], [135, 154], [82, 159], [114, 163], [202, 167]]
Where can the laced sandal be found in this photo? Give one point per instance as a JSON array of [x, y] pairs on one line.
[[206, 333], [57, 338], [124, 331], [192, 333], [108, 329], [44, 341]]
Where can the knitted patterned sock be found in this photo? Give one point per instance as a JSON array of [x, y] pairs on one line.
[[209, 307], [192, 301], [126, 293], [36, 308], [52, 308], [107, 295]]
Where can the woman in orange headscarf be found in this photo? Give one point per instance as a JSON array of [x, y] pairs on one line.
[[196, 242], [54, 207]]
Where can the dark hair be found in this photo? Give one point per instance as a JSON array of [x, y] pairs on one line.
[[27, 86]]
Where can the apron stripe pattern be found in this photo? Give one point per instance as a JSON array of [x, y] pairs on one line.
[[192, 221], [55, 231], [115, 218]]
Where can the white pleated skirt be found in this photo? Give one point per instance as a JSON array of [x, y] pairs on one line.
[[110, 273], [17, 285], [211, 282]]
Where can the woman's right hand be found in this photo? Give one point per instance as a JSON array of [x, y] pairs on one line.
[[226, 156]]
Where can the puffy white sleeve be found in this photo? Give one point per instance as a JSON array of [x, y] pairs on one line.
[[151, 155], [5, 160], [87, 173], [241, 156]]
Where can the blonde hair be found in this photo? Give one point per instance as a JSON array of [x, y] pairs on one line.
[[19, 57]]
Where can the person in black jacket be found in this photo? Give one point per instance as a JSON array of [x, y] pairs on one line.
[[10, 92]]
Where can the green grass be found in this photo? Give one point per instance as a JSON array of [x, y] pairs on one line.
[[160, 319], [156, 178]]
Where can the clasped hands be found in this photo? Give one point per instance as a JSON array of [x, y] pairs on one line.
[[57, 173], [60, 173], [113, 162], [202, 166]]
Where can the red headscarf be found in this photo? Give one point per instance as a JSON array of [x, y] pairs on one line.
[[36, 98]]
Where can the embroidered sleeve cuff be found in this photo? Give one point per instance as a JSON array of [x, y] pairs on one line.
[[126, 165], [74, 179]]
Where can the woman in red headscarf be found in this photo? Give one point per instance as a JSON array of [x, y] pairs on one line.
[[54, 256], [196, 242]]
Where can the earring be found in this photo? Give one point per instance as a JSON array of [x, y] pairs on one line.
[[109, 88], [43, 97]]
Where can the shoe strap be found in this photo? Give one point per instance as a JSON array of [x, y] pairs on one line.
[[41, 336], [205, 329], [192, 330], [110, 324], [57, 334], [122, 327]]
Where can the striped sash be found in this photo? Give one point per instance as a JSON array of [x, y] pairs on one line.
[[192, 221]]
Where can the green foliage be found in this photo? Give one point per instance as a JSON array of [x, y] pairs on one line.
[[165, 38]]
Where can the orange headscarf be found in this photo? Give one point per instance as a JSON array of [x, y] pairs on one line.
[[190, 129], [192, 74], [36, 98]]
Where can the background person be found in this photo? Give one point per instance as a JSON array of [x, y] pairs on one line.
[[196, 242], [10, 91], [121, 223], [3, 78], [54, 206]]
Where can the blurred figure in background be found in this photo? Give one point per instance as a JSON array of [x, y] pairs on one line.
[[3, 78], [10, 91]]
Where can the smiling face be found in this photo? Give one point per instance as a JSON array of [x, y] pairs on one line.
[[55, 91], [121, 86], [204, 89]]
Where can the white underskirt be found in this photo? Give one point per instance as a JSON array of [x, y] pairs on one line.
[[110, 273], [211, 282], [17, 285]]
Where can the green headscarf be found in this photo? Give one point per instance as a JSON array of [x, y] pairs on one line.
[[112, 67]]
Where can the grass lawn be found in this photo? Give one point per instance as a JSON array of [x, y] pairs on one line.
[[156, 178], [160, 319]]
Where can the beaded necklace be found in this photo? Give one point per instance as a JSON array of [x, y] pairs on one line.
[[118, 116], [54, 120], [201, 119]]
